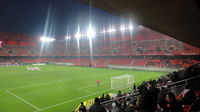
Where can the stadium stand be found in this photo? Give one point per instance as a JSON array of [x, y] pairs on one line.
[[143, 49], [171, 93]]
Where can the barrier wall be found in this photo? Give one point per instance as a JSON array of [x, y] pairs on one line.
[[142, 68]]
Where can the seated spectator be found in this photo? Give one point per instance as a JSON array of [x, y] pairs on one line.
[[123, 106], [115, 108], [172, 104], [82, 108], [97, 107], [188, 96], [130, 107], [162, 106]]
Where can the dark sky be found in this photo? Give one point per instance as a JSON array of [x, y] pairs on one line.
[[62, 16]]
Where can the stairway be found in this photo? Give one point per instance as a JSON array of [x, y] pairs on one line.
[[131, 62], [107, 61]]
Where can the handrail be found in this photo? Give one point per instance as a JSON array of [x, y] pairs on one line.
[[183, 80], [138, 92], [119, 98]]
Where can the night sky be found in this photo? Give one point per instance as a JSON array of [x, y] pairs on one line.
[[55, 17]]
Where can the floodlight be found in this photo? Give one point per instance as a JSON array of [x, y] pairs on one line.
[[78, 35], [46, 39], [91, 33], [43, 39], [68, 37]]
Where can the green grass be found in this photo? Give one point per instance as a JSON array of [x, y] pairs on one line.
[[57, 89]]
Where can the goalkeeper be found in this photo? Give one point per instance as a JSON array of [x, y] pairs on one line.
[[97, 83]]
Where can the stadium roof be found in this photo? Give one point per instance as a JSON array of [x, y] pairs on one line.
[[179, 19]]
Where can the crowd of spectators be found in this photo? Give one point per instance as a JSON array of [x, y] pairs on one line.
[[157, 95]]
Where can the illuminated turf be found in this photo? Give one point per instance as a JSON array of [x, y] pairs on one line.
[[58, 89]]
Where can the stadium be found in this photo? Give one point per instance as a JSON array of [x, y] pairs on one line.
[[111, 68]]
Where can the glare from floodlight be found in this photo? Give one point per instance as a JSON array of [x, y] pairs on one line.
[[122, 28], [91, 33], [111, 30], [78, 35], [46, 39], [131, 27], [68, 37], [103, 31]]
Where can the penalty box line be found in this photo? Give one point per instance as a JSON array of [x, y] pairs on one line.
[[23, 100], [70, 100], [83, 88]]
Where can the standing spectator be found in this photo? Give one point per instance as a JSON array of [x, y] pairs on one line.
[[153, 92], [82, 108], [97, 107], [102, 99], [119, 94], [144, 102], [134, 87], [107, 97]]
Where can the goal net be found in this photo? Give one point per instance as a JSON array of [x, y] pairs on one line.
[[122, 82]]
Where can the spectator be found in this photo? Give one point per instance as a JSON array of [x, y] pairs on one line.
[[161, 106], [102, 99], [153, 92], [107, 97], [144, 102], [119, 94], [188, 96], [134, 87], [123, 106], [82, 108], [172, 104], [130, 107], [97, 107]]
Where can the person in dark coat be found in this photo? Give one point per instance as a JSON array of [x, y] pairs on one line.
[[172, 104], [102, 99], [82, 108], [97, 107], [188, 96], [130, 107], [153, 92], [123, 106], [119, 94], [144, 102], [107, 97]]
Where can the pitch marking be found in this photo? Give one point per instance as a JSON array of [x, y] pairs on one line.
[[70, 100], [23, 100]]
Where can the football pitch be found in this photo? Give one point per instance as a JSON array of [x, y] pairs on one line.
[[59, 89]]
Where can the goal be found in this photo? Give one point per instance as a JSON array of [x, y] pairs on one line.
[[122, 82]]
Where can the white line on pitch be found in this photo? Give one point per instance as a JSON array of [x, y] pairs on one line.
[[85, 90], [91, 85], [41, 84], [70, 100], [23, 100]]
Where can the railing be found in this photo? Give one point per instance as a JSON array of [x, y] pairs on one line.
[[135, 94]]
